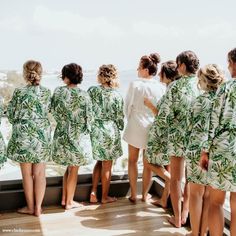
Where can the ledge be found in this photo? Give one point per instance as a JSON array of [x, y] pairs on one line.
[[12, 194]]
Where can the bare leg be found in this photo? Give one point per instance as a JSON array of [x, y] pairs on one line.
[[205, 208], [186, 197], [166, 191], [216, 214], [177, 172], [106, 177], [233, 213], [64, 184], [39, 186], [196, 206], [96, 178], [164, 173], [133, 171], [28, 185], [71, 186], [147, 177]]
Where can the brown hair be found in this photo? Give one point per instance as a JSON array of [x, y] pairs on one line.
[[73, 72], [190, 60], [232, 55], [32, 72], [107, 75], [169, 68], [212, 75], [150, 62]]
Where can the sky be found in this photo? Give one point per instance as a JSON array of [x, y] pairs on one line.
[[96, 32]]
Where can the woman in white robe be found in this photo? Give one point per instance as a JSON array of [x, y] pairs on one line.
[[139, 117]]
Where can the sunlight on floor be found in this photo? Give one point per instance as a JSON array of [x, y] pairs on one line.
[[119, 218]]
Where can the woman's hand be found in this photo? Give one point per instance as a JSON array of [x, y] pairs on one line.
[[204, 160], [149, 104]]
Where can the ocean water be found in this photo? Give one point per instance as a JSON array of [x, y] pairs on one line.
[[90, 79]]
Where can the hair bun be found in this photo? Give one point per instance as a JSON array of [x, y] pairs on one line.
[[79, 72], [232, 55], [32, 75], [155, 57], [191, 61], [212, 75], [107, 74], [32, 72], [73, 72], [169, 69]]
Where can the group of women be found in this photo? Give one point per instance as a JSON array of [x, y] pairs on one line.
[[88, 126], [184, 125]]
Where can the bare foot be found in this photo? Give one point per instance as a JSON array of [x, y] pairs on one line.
[[132, 200], [37, 211], [74, 204], [108, 200], [184, 216], [159, 203], [63, 203], [172, 221], [93, 198], [189, 234], [25, 210], [146, 198]]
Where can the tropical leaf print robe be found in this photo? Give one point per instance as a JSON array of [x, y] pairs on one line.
[[109, 120], [156, 152], [222, 139], [198, 136], [178, 102], [31, 134], [2, 143], [72, 110]]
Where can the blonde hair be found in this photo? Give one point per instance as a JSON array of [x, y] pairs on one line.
[[212, 76], [32, 72], [107, 75]]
